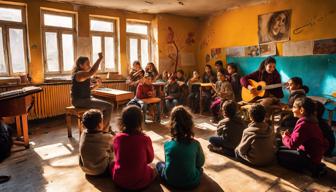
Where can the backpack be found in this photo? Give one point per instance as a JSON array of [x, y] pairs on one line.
[[5, 141]]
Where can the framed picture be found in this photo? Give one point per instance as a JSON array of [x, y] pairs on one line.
[[274, 26]]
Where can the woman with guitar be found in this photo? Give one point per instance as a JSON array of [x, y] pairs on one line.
[[263, 85]]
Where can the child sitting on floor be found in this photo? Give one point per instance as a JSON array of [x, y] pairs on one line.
[[229, 130], [305, 146], [296, 90], [183, 154], [133, 152], [223, 91], [257, 144], [95, 153]]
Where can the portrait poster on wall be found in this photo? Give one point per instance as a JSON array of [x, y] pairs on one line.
[[274, 26]]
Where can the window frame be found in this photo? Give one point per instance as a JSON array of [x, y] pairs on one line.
[[102, 35], [138, 36], [5, 26], [59, 32]]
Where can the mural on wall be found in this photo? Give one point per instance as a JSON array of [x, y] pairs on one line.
[[325, 46], [274, 26], [176, 45], [313, 21]]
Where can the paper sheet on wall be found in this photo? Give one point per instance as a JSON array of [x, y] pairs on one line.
[[83, 46], [298, 48], [235, 51], [188, 59]]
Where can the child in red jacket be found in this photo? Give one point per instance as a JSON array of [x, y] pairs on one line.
[[133, 152], [305, 146]]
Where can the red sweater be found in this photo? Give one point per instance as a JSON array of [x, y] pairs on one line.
[[143, 89], [308, 137], [132, 154]]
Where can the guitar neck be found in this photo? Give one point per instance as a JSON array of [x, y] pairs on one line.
[[273, 86]]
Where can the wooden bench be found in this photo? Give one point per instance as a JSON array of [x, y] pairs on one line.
[[275, 110], [78, 113]]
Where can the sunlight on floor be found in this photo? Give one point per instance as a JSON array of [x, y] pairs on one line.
[[51, 151], [206, 126], [154, 136]]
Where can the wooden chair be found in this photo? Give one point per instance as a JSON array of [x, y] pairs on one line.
[[78, 113], [152, 100]]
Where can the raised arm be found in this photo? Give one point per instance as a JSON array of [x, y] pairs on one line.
[[84, 75]]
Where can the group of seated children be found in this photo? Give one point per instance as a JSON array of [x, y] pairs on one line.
[[255, 144], [127, 156], [180, 91]]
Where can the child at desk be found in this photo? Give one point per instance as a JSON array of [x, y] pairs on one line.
[[223, 92], [146, 90], [172, 92], [194, 95], [135, 76], [208, 77]]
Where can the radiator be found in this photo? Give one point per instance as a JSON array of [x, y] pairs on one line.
[[55, 97]]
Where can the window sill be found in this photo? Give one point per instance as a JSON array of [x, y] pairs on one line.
[[10, 80]]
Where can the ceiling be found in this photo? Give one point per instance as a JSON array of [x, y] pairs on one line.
[[178, 7]]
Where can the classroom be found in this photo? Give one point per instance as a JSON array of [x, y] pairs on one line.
[[168, 95]]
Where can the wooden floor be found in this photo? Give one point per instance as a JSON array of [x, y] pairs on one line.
[[51, 164]]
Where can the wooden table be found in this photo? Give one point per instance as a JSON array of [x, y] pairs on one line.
[[203, 85], [114, 95], [16, 103]]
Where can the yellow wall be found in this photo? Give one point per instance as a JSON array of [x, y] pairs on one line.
[[36, 66], [239, 27], [181, 26]]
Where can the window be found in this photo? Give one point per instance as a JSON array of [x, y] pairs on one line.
[[58, 41], [13, 40], [138, 44], [103, 39]]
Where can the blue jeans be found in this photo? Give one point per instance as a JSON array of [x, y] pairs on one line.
[[170, 103], [160, 166]]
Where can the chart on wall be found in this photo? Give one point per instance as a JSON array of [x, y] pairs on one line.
[[274, 26]]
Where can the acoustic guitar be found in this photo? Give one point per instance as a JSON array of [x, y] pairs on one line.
[[260, 87]]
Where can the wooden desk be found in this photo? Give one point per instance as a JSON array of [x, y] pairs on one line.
[[17, 103], [114, 95], [203, 85]]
